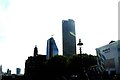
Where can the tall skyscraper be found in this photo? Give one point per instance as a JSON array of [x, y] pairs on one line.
[[69, 38], [119, 20], [18, 70], [52, 49]]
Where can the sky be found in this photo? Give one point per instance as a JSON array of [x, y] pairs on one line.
[[26, 23]]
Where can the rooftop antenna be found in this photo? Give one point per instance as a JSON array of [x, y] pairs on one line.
[[52, 35]]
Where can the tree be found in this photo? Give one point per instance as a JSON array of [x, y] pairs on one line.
[[79, 64], [68, 67], [57, 66], [89, 60]]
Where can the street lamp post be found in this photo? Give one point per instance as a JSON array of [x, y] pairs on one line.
[[82, 67], [80, 44]]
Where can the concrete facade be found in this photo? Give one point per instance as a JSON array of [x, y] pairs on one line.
[[108, 57]]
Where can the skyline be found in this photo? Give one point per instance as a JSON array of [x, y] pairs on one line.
[[24, 24]]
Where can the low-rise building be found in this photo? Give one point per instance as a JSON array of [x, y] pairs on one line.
[[108, 57]]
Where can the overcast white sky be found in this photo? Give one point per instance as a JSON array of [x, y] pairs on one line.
[[26, 23]]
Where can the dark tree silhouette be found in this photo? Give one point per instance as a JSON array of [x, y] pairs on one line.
[[79, 65], [57, 66]]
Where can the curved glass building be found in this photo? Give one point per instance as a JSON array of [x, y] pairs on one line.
[[52, 49]]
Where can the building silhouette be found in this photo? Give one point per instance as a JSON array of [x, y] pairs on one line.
[[1, 73], [35, 66], [13, 77], [52, 49], [68, 37], [35, 51], [18, 70]]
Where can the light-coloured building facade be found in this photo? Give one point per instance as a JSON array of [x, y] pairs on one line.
[[108, 57]]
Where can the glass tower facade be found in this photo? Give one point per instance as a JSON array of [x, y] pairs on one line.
[[68, 37], [52, 49], [119, 20]]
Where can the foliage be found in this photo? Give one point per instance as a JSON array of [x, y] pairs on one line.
[[57, 61], [83, 60]]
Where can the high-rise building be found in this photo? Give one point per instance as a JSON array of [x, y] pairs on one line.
[[18, 70], [52, 49], [119, 20], [68, 37]]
